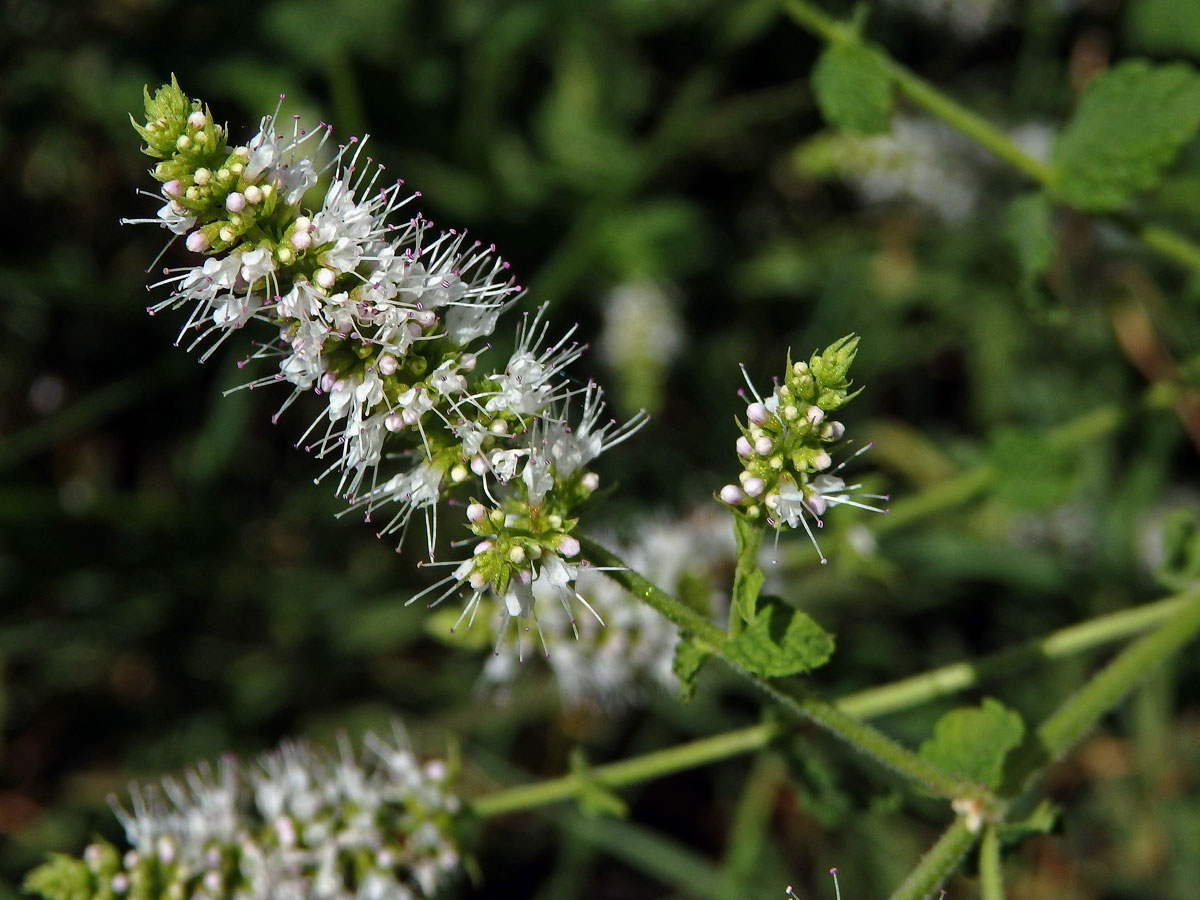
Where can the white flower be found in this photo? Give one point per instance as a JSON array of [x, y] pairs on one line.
[[257, 264], [518, 599], [796, 505], [294, 822], [504, 463], [642, 331], [527, 385], [174, 220], [418, 489], [572, 447], [968, 19]]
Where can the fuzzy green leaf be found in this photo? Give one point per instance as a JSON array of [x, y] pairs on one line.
[[688, 660], [972, 742], [747, 577], [1127, 128], [852, 89], [1041, 821], [780, 641]]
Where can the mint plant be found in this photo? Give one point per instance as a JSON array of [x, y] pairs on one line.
[[349, 295]]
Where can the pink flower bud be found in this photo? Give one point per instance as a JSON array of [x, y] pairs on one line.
[[731, 494], [757, 413]]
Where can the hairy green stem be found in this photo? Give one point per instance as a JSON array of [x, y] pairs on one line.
[[1159, 238], [629, 771], [937, 864], [862, 737], [791, 694], [863, 704], [991, 878]]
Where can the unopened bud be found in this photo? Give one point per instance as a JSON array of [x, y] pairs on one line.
[[731, 494]]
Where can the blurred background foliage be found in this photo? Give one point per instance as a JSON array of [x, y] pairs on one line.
[[174, 586]]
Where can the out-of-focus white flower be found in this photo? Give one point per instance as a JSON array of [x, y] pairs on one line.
[[643, 333], [924, 160], [296, 823], [968, 19]]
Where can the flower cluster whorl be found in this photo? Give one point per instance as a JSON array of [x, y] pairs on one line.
[[785, 443], [384, 321], [297, 823]]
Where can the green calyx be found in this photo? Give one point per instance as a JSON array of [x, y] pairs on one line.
[[174, 132], [202, 174], [824, 380]]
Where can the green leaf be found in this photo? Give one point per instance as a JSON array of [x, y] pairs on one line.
[[689, 659], [852, 89], [1179, 567], [1030, 228], [747, 577], [1127, 128], [780, 641], [1041, 821], [972, 742], [60, 878]]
